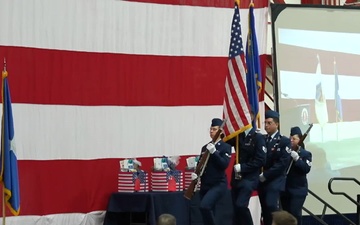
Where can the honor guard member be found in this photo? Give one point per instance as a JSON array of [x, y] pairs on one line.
[[272, 179], [296, 188], [213, 180], [245, 175]]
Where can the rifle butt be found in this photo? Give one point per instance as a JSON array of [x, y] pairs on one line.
[[189, 193]]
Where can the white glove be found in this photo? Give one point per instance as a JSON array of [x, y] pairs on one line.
[[294, 155], [237, 168], [211, 148], [262, 178], [194, 176], [137, 162]]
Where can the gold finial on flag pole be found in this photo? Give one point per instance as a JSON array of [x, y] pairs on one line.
[[4, 64], [251, 4], [4, 72]]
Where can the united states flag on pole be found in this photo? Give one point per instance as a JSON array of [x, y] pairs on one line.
[[236, 102]]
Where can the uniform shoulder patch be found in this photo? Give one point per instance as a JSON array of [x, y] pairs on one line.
[[288, 150], [264, 149]]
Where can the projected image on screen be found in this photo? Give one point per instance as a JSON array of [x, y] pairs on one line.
[[317, 58]]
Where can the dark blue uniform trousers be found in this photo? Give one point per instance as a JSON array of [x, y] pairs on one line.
[[241, 195], [269, 196], [209, 198], [293, 204]]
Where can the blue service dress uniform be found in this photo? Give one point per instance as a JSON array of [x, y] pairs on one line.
[[214, 181], [277, 161], [252, 156], [296, 188]]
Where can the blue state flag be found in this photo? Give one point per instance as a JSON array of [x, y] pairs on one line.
[[9, 167], [253, 75], [338, 105]]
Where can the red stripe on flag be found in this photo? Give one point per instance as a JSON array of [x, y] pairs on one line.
[[81, 74], [67, 186], [80, 78], [209, 3]]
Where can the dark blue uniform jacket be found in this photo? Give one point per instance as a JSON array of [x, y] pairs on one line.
[[214, 172], [277, 161], [296, 181]]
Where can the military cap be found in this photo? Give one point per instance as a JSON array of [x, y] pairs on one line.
[[271, 114], [216, 122], [295, 130]]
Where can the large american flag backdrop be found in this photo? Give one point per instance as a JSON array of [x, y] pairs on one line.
[[93, 82]]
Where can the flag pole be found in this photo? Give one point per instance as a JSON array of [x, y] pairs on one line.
[[336, 109], [237, 149], [3, 204], [2, 152]]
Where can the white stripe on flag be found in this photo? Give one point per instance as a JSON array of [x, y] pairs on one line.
[[89, 132], [122, 27]]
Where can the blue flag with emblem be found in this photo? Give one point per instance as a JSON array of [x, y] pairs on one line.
[[253, 74], [9, 168]]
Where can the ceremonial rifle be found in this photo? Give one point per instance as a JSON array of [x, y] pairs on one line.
[[301, 141], [202, 165]]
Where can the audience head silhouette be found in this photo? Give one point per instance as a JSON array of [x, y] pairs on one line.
[[166, 219], [283, 218]]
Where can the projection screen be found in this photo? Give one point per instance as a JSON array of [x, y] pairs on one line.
[[316, 53]]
